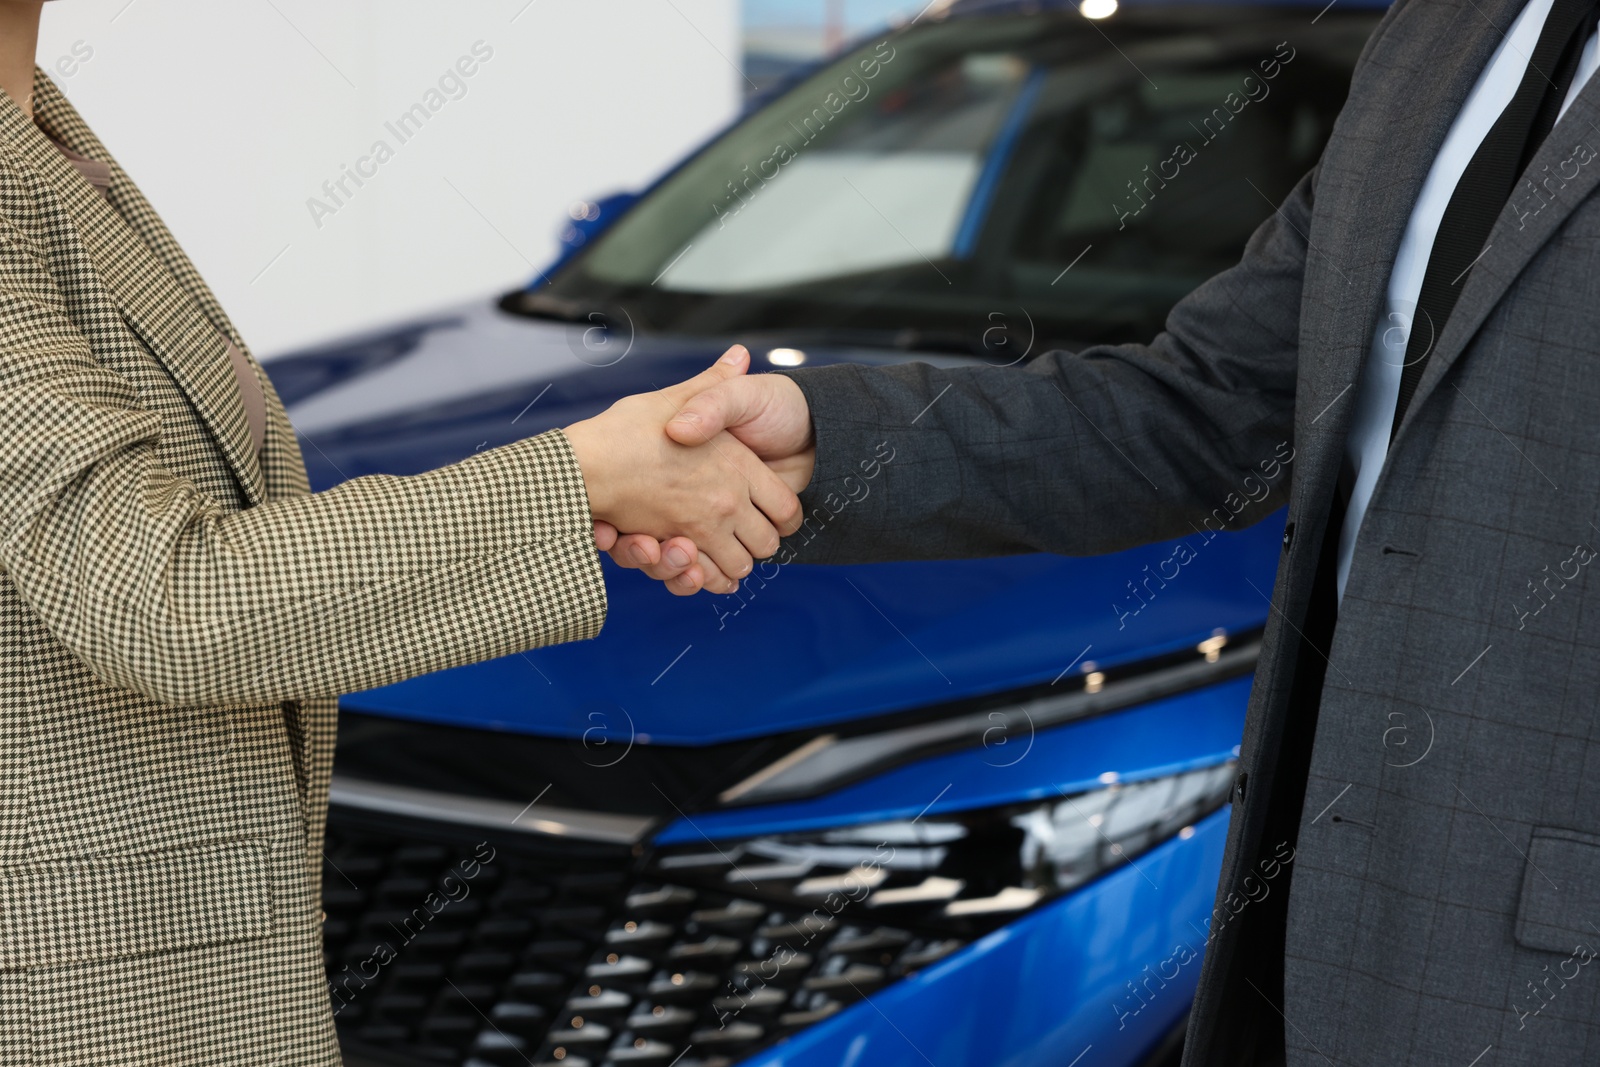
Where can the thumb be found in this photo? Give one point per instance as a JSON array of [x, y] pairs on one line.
[[733, 363], [767, 413], [709, 413]]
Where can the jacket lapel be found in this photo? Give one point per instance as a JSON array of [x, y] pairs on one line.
[[1569, 163], [1394, 124], [140, 265]]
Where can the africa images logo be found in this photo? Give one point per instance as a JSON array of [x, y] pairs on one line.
[[451, 85], [1255, 90]]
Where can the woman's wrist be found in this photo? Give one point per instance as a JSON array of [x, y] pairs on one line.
[[588, 445]]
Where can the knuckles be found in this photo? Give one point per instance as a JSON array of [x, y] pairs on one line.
[[768, 545], [724, 504], [788, 515]]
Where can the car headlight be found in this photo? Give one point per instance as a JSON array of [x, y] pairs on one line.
[[732, 946]]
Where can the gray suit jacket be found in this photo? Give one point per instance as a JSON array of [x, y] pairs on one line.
[[1443, 910]]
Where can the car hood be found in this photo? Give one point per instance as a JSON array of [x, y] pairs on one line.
[[809, 647]]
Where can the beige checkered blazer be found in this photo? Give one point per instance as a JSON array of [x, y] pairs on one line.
[[177, 614]]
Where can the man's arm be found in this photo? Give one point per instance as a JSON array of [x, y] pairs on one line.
[[1076, 453]]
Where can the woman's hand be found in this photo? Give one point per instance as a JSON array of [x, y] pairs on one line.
[[769, 415], [714, 498], [677, 563]]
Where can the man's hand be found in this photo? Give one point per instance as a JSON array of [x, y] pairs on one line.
[[712, 494], [768, 414]]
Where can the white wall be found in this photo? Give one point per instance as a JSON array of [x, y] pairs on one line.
[[231, 116]]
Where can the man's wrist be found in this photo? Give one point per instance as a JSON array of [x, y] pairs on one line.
[[811, 385]]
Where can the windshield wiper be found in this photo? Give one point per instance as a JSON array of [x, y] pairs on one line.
[[542, 304], [908, 339]]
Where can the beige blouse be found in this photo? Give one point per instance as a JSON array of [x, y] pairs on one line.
[[98, 174]]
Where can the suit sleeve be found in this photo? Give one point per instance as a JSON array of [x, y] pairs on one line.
[[1075, 453], [161, 589]]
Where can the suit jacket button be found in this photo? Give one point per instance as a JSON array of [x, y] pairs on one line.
[[1288, 536], [1238, 786]]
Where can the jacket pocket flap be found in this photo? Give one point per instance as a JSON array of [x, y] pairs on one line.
[[103, 907], [1560, 891]]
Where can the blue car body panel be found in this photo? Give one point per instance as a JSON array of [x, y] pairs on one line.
[[810, 650], [1180, 733]]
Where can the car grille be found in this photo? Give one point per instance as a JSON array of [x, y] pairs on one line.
[[445, 950], [537, 949]]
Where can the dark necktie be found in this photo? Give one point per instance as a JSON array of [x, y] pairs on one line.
[[1486, 184]]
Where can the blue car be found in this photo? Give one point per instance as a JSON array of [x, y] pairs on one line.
[[934, 813]]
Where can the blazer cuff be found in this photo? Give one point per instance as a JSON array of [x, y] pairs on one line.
[[847, 498], [558, 510], [843, 422]]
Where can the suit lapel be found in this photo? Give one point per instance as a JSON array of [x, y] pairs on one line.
[[141, 265], [1394, 124], [1569, 161]]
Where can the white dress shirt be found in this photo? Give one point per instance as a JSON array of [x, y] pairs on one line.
[[1378, 390]]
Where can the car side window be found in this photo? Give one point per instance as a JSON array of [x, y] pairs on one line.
[[1146, 192]]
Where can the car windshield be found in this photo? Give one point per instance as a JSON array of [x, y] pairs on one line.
[[979, 182]]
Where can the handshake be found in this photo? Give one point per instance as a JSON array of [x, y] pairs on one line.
[[695, 482]]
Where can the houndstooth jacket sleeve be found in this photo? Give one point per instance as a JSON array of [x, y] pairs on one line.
[[160, 587], [177, 611]]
